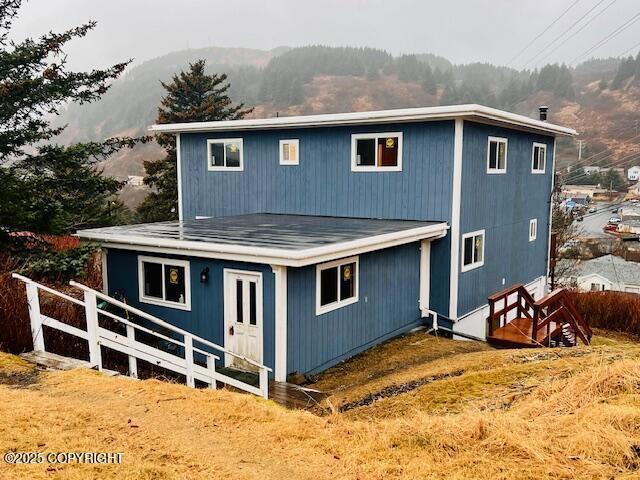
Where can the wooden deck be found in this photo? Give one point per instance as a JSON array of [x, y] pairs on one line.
[[517, 333], [295, 397]]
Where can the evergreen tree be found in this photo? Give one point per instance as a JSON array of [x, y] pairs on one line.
[[192, 96], [48, 188]]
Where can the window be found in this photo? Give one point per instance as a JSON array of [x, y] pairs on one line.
[[533, 229], [497, 155], [538, 157], [376, 152], [597, 287], [224, 154], [289, 152], [164, 281], [336, 284], [472, 250]]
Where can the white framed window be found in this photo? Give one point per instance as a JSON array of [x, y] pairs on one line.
[[497, 155], [165, 282], [533, 229], [290, 152], [376, 152], [337, 284], [538, 157], [472, 250], [225, 154]]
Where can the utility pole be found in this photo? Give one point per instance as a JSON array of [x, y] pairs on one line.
[[580, 149]]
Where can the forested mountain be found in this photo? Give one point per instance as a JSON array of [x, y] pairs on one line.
[[600, 98]]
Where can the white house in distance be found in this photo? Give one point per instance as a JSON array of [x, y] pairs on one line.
[[604, 273], [633, 174], [589, 169]]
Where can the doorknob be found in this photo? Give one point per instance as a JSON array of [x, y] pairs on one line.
[[231, 330]]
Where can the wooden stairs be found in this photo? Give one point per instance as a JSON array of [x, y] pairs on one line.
[[516, 320]]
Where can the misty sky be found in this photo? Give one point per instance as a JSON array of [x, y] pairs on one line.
[[461, 30]]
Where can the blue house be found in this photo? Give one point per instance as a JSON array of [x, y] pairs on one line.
[[302, 241]]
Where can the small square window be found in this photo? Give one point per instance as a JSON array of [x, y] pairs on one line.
[[497, 155], [538, 158], [289, 152], [164, 282], [225, 154], [533, 229], [337, 284], [472, 250], [376, 152]]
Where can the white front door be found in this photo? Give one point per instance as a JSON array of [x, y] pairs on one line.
[[243, 316]]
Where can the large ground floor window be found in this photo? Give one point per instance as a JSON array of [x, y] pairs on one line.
[[165, 282], [336, 284]]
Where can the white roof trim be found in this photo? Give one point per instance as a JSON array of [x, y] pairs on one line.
[[274, 256], [472, 112]]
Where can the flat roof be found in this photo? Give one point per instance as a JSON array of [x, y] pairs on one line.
[[293, 240], [474, 112]]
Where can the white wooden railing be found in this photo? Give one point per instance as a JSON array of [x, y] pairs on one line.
[[97, 336]]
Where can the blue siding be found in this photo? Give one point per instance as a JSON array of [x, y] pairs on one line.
[[389, 293], [206, 318], [323, 183], [503, 205]]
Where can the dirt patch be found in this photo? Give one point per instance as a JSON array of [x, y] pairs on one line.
[[395, 390], [20, 380]]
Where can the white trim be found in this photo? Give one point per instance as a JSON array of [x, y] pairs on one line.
[[171, 262], [499, 140], [538, 171], [425, 274], [375, 136], [224, 168], [228, 301], [456, 202], [292, 141], [291, 258], [105, 276], [201, 217], [533, 227], [475, 264], [321, 309], [478, 113], [549, 220], [280, 274], [179, 177]]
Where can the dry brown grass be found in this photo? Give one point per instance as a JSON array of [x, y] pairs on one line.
[[572, 415]]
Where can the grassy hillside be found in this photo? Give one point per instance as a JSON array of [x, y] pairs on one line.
[[482, 413]]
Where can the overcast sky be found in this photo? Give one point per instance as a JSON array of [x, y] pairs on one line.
[[460, 30]]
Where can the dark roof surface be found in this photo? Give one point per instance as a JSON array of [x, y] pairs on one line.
[[286, 232]]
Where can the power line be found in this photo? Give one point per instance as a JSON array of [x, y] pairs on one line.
[[541, 33], [579, 30], [564, 32], [629, 50], [610, 36]]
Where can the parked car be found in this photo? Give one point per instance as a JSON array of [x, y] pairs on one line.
[[614, 220], [580, 218], [592, 210], [609, 227]]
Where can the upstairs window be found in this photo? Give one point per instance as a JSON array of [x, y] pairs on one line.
[[336, 284], [289, 152], [533, 229], [472, 250], [165, 282], [539, 157], [225, 154], [376, 152], [497, 155]]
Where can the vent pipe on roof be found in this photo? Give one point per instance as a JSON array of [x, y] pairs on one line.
[[543, 112]]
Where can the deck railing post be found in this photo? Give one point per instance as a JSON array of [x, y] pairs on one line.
[[91, 314], [188, 356], [133, 363], [211, 366], [264, 383], [534, 325], [33, 303], [492, 309]]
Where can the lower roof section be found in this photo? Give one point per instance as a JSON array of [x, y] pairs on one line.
[[292, 240]]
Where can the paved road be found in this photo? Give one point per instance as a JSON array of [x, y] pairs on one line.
[[591, 226]]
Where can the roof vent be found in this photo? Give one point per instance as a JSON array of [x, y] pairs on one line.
[[543, 113]]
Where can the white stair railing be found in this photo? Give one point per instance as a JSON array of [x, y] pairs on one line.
[[97, 336]]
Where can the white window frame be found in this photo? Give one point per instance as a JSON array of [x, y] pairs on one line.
[[374, 168], [293, 141], [165, 303], [471, 266], [497, 171], [321, 309], [533, 229], [543, 146], [225, 141]]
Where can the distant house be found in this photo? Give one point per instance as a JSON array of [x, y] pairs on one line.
[[603, 273], [135, 180], [581, 191], [633, 174], [591, 169]]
